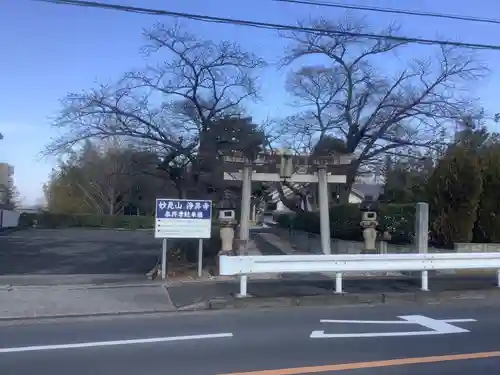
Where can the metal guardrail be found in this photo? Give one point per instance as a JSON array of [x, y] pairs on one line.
[[248, 265]]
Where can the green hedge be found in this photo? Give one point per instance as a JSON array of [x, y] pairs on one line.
[[397, 219], [53, 220]]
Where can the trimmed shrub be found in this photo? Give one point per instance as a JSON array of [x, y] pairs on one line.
[[397, 219], [53, 220], [344, 222], [278, 214]]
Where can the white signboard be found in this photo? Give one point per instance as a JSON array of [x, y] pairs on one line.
[[183, 218], [434, 327]]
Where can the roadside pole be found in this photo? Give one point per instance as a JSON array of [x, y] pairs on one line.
[[200, 257], [422, 227], [164, 260], [323, 210], [245, 204], [245, 213]]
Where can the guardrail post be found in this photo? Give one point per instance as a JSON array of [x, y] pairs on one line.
[[498, 278], [243, 286], [338, 283], [425, 281]]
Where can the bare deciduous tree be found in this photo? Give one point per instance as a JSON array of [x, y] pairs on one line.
[[111, 182], [101, 174], [357, 95], [166, 106], [108, 178]]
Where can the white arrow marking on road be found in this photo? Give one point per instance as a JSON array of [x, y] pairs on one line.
[[113, 343], [436, 327]]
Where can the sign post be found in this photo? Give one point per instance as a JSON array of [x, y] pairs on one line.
[[182, 218], [200, 257], [164, 259]]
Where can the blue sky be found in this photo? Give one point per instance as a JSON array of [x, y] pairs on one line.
[[49, 50]]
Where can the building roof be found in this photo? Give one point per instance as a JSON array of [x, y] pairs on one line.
[[364, 189]]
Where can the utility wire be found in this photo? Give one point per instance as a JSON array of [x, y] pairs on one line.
[[266, 25], [391, 10]]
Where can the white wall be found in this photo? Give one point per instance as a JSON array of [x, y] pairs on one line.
[[9, 219], [353, 198], [281, 207]]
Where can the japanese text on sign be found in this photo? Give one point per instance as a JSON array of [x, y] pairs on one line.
[[183, 218], [185, 209]]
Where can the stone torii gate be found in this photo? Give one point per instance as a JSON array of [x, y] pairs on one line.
[[291, 168]]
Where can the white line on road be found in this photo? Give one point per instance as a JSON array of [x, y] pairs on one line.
[[323, 335], [113, 343], [365, 321], [390, 321]]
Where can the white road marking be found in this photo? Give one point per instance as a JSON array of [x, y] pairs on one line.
[[113, 343], [365, 321], [390, 321], [435, 326], [323, 335]]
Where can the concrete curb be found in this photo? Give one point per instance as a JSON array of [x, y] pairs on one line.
[[333, 300], [88, 315], [352, 299], [73, 281], [7, 231]]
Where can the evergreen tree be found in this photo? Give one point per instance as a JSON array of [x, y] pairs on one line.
[[487, 228], [454, 190]]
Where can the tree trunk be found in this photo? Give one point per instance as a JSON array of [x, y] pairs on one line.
[[289, 203], [179, 187], [344, 190], [111, 202]]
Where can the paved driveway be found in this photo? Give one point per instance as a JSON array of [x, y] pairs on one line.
[[77, 251]]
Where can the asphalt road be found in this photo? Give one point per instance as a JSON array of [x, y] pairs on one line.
[[276, 342], [77, 251]]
